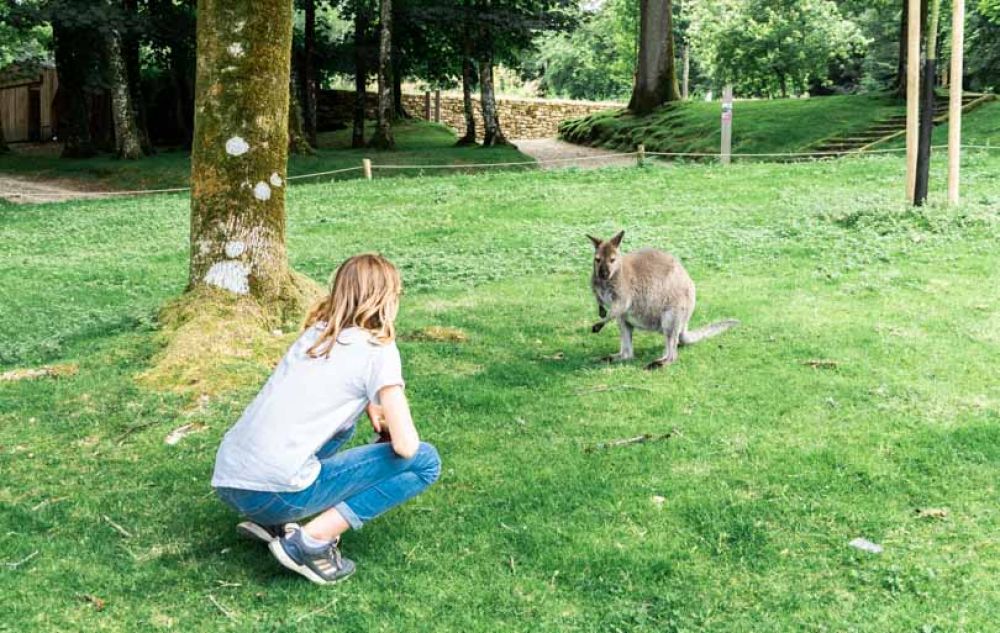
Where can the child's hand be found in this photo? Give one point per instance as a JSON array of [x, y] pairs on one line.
[[376, 416]]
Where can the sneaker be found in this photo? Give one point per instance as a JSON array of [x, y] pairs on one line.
[[323, 565], [264, 533]]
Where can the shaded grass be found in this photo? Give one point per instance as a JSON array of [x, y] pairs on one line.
[[776, 465], [418, 143]]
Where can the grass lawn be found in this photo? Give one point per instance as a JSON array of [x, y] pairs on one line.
[[418, 143], [739, 522], [760, 126]]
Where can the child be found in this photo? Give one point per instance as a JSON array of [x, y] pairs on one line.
[[280, 462]]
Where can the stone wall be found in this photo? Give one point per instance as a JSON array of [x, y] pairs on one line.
[[519, 117]]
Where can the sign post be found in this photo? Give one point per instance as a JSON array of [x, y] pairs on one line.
[[727, 124]]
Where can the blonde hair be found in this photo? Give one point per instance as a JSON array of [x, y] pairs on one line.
[[364, 293]]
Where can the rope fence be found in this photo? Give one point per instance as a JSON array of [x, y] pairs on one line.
[[367, 167]]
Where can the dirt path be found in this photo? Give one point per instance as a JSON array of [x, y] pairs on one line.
[[546, 149], [35, 191]]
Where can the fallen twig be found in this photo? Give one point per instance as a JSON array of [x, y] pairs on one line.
[[117, 527], [513, 567], [821, 363], [602, 388], [98, 603], [132, 429], [17, 564], [226, 612], [639, 439], [41, 504]]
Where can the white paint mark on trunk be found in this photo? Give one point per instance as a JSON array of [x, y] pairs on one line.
[[276, 179], [262, 191], [236, 49], [235, 248], [231, 276], [236, 146]]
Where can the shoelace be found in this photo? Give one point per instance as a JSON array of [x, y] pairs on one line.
[[334, 554]]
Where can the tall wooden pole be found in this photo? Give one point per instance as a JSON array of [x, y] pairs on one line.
[[912, 97], [955, 105], [727, 124]]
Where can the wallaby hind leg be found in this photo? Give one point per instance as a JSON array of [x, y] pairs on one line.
[[674, 322], [625, 350]]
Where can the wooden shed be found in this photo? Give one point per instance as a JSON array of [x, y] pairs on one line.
[[27, 102]]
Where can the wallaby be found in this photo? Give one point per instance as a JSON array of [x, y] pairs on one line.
[[646, 289]]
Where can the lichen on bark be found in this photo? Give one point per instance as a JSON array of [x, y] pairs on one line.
[[241, 140]]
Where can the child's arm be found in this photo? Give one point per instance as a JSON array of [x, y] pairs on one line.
[[396, 410]]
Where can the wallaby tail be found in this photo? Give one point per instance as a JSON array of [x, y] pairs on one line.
[[691, 337]]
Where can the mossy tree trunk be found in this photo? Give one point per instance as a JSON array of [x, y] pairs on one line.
[[383, 138], [298, 142], [656, 75], [128, 144], [492, 133], [309, 75], [468, 79], [133, 71], [362, 21], [241, 148]]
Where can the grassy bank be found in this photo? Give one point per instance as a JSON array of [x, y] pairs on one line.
[[418, 143], [764, 126], [859, 390]]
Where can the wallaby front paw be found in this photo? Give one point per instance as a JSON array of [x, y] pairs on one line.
[[597, 327], [601, 312], [656, 364]]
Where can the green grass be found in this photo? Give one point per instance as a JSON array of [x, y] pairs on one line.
[[418, 143], [979, 127], [775, 467], [763, 126]]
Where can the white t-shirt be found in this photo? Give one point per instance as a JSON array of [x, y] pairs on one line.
[[303, 404]]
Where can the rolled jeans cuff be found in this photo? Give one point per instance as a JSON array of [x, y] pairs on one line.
[[352, 519]]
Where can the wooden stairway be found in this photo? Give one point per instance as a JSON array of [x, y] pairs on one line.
[[890, 128]]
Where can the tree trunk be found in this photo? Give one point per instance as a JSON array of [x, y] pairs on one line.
[[398, 110], [73, 103], [687, 72], [361, 23], [927, 109], [468, 78], [297, 142], [309, 75], [656, 77], [127, 143], [133, 71], [383, 131], [492, 133], [240, 151]]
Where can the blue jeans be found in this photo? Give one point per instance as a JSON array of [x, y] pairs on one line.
[[361, 483]]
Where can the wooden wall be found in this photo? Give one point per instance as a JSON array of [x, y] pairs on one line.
[[15, 110]]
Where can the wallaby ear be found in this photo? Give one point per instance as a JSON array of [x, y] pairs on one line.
[[596, 241], [617, 239]]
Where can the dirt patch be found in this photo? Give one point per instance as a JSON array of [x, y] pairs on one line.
[[567, 155], [24, 191]]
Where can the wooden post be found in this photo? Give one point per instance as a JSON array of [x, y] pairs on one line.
[[912, 97], [437, 106], [366, 165], [427, 105], [727, 124], [955, 103], [640, 156]]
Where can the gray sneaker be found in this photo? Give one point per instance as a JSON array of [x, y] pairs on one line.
[[323, 565], [263, 533]]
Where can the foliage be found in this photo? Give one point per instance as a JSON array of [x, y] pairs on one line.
[[772, 47], [740, 522]]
